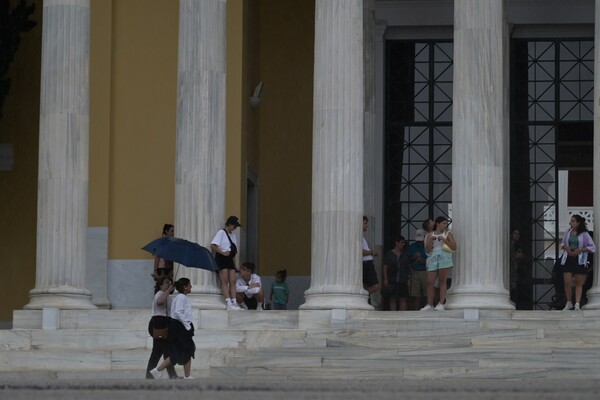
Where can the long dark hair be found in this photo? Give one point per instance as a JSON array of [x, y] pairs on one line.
[[581, 224], [181, 283], [438, 220]]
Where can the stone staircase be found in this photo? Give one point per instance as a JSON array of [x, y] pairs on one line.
[[336, 344]]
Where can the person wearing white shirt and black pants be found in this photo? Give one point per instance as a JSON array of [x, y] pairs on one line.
[[249, 289], [181, 331]]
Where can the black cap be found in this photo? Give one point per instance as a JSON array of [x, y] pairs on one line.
[[233, 220]]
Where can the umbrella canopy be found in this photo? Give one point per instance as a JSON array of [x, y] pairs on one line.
[[183, 252]]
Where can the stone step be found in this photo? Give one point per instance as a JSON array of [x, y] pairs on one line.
[[412, 372], [322, 343]]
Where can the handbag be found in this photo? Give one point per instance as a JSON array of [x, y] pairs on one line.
[[445, 247], [160, 333], [160, 326]]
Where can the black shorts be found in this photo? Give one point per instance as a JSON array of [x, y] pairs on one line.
[[572, 266], [369, 274], [250, 302], [224, 262]]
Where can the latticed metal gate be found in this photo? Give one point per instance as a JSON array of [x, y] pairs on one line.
[[418, 156], [552, 111]]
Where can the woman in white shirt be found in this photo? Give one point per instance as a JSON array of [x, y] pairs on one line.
[[224, 244], [181, 331]]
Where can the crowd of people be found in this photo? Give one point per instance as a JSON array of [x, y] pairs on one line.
[[171, 326], [413, 274], [415, 277]]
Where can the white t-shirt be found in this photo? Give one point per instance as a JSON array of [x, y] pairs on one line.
[[158, 309], [366, 247], [242, 287], [221, 240]]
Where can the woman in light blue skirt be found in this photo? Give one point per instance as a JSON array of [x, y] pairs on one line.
[[439, 245]]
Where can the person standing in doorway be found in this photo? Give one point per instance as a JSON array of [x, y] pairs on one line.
[[225, 246], [417, 261], [576, 244], [439, 245], [396, 276]]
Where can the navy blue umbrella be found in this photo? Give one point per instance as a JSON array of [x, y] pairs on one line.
[[183, 252]]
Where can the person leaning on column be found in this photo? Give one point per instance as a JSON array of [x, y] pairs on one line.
[[370, 280]]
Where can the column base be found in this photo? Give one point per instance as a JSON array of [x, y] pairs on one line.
[[478, 300], [336, 301], [64, 297], [206, 301], [593, 296]]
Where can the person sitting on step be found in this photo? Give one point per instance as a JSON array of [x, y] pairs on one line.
[[250, 294]]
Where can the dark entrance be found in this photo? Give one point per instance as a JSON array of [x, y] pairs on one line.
[[551, 130], [418, 139]]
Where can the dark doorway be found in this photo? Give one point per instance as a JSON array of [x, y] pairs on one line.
[[551, 130]]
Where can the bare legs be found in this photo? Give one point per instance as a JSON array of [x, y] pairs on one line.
[[432, 276], [579, 280], [187, 367], [228, 277], [443, 275]]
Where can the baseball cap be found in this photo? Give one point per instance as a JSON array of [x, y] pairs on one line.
[[419, 235], [233, 220]]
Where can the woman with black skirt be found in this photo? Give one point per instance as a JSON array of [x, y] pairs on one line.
[[181, 332]]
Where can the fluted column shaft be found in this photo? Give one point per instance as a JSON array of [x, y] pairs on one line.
[[63, 158], [593, 294], [369, 115], [337, 179], [201, 152], [480, 156]]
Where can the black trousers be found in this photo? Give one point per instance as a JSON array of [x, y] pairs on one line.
[[160, 348]]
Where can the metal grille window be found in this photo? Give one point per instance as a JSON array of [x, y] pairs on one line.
[[418, 156], [552, 109]]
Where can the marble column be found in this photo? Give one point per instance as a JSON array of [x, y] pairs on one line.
[[480, 174], [593, 294], [369, 115], [63, 158], [337, 179], [201, 152]]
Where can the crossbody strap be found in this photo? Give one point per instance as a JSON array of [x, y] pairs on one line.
[[230, 241]]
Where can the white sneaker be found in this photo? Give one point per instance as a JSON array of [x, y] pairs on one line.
[[427, 308], [577, 308], [568, 307], [188, 377], [259, 307], [234, 306], [156, 374], [440, 307], [244, 306]]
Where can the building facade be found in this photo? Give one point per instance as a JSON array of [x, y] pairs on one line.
[[140, 114]]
